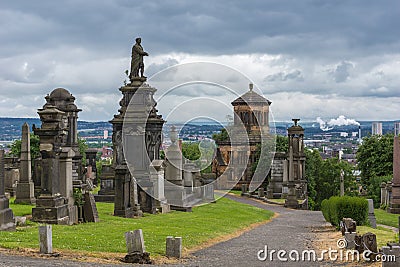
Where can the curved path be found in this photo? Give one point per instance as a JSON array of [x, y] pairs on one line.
[[291, 230]]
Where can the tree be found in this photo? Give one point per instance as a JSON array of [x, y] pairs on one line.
[[282, 143], [15, 148], [375, 157], [222, 136], [324, 177], [82, 149]]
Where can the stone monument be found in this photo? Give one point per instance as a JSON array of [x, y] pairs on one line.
[[61, 166], [6, 215], [25, 186], [142, 135], [395, 195], [297, 184]]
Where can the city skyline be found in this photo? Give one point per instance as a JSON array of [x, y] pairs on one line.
[[311, 59]]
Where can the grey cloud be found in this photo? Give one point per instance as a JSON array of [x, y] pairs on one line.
[[342, 71], [283, 76]]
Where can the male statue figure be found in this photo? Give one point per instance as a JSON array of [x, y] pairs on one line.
[[137, 60]]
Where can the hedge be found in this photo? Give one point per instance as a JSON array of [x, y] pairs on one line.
[[335, 209]]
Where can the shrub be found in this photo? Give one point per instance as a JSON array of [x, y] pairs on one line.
[[336, 208]]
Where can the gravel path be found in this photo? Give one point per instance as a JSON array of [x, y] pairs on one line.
[[291, 230]]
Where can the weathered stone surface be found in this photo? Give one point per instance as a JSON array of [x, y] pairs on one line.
[[395, 196], [89, 209], [45, 239], [393, 251], [6, 215], [348, 225], [350, 237], [371, 214], [174, 247], [25, 187], [135, 241]]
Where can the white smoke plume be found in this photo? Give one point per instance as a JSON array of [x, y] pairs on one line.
[[340, 121]]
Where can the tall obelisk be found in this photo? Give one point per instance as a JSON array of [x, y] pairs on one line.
[[25, 186]]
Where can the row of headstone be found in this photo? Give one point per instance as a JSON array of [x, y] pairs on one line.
[[137, 251]]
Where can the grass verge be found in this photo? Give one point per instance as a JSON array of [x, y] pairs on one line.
[[383, 217], [205, 223]]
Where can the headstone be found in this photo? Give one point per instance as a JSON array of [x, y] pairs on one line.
[[174, 247], [25, 187], [107, 189], [393, 251], [395, 196], [369, 241], [383, 193], [135, 247], [6, 215], [348, 225], [350, 240], [45, 239], [371, 214], [135, 241], [244, 188], [89, 208], [260, 192]]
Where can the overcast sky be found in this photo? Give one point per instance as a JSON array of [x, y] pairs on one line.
[[310, 58]]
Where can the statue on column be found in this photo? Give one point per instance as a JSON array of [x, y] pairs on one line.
[[137, 60]]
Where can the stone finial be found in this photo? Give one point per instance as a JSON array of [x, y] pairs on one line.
[[250, 86], [295, 121], [173, 134]]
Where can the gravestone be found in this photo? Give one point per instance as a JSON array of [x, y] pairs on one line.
[[348, 225], [350, 240], [90, 213], [6, 215], [107, 190], [136, 249], [393, 251], [395, 195], [52, 206], [370, 243], [45, 239], [25, 187], [174, 247], [371, 214], [260, 192]]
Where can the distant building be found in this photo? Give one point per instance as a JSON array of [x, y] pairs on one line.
[[105, 136], [377, 128], [397, 128]]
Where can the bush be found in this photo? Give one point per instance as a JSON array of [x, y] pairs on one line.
[[335, 209]]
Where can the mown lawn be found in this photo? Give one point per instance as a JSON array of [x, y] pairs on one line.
[[204, 223], [383, 217], [383, 235]]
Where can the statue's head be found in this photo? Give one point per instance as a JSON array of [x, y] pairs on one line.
[[138, 40]]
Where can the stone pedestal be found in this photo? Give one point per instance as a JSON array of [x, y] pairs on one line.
[[51, 210], [25, 188], [291, 200], [395, 196], [7, 222]]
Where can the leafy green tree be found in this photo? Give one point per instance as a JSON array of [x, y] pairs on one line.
[[282, 143], [324, 178], [82, 149], [190, 150], [15, 148], [375, 157], [222, 136]]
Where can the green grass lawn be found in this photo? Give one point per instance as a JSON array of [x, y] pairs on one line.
[[204, 223], [383, 235], [383, 217]]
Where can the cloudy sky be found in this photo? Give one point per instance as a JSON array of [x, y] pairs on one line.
[[310, 58]]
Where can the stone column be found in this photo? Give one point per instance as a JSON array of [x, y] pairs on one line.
[[395, 197], [25, 186], [6, 214]]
